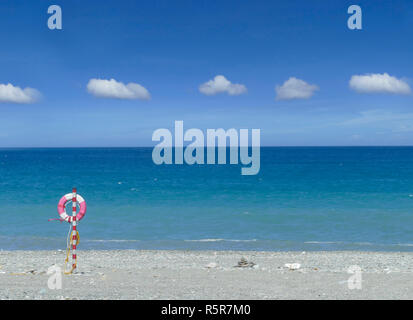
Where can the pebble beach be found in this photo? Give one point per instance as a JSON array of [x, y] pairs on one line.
[[136, 274]]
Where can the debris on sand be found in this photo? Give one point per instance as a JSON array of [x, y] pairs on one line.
[[243, 263], [211, 265], [293, 266]]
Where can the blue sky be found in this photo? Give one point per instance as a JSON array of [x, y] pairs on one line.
[[171, 48]]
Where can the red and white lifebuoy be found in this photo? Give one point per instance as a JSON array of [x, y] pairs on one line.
[[61, 207]]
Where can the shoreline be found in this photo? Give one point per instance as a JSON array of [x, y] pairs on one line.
[[29, 243], [178, 274]]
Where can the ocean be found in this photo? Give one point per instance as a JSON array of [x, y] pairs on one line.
[[304, 198]]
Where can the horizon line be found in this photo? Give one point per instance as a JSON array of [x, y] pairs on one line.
[[265, 146]]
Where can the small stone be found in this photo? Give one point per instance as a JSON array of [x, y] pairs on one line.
[[293, 266], [243, 263], [211, 265]]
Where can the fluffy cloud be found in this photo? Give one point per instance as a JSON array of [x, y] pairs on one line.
[[113, 89], [378, 83], [12, 94], [220, 84], [295, 88]]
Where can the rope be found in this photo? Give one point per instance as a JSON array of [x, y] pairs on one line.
[[61, 220], [69, 246]]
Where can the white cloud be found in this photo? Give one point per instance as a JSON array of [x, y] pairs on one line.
[[295, 88], [378, 83], [113, 89], [12, 94], [220, 84]]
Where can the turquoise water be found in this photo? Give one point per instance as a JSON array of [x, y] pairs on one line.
[[303, 199]]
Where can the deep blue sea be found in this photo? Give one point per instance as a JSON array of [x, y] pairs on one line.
[[304, 198]]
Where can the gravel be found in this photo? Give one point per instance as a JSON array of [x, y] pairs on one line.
[[133, 274]]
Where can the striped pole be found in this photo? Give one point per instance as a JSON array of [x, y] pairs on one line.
[[74, 232]]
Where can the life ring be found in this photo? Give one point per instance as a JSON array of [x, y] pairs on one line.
[[61, 207]]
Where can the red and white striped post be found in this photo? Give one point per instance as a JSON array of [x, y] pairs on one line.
[[73, 237], [74, 231]]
